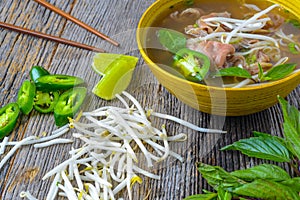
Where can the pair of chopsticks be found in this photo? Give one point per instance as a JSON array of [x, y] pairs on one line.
[[58, 39]]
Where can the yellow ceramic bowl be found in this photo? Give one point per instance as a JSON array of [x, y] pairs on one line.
[[216, 100]]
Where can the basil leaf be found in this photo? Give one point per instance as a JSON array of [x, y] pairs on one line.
[[264, 171], [217, 177], [172, 40], [292, 136], [261, 147], [224, 195], [292, 48], [211, 196], [290, 114], [279, 72], [265, 189], [291, 126], [234, 71], [293, 183], [189, 2]]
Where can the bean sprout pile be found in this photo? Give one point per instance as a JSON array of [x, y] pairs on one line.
[[114, 140]]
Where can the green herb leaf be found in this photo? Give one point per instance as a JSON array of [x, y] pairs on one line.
[[261, 75], [293, 183], [279, 139], [264, 171], [189, 2], [294, 22], [224, 195], [291, 126], [210, 196], [172, 40], [234, 71], [292, 136], [218, 177], [265, 189], [290, 114], [279, 72], [268, 148], [292, 48]]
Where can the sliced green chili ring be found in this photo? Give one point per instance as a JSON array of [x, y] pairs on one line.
[[26, 96], [68, 104], [8, 118], [37, 72], [44, 102], [194, 65], [57, 82]]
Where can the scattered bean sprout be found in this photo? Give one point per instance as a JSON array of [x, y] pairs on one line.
[[114, 141]]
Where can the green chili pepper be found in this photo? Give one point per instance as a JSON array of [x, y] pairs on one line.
[[37, 72], [57, 82], [194, 65], [44, 102], [68, 104], [8, 118], [25, 97]]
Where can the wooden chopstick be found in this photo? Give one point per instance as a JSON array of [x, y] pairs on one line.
[[76, 21], [49, 37]]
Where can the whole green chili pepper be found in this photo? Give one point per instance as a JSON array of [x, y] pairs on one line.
[[193, 65], [68, 104], [25, 96], [8, 118]]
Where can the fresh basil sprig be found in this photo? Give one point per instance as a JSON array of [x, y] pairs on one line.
[[171, 40], [265, 181]]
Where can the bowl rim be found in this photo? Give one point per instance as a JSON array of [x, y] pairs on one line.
[[193, 84]]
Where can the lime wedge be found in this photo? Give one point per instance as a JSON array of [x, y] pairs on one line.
[[117, 72]]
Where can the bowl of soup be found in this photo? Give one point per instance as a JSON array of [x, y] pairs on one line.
[[228, 58]]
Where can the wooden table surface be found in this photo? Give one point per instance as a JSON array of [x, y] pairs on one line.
[[118, 19]]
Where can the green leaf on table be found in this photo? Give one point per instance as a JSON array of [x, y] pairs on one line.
[[263, 171], [293, 183], [291, 126], [234, 71], [278, 72], [217, 177], [268, 148], [210, 196], [266, 189], [224, 195], [290, 114], [292, 137], [172, 40], [293, 49]]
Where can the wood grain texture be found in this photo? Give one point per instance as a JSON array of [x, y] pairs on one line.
[[118, 19]]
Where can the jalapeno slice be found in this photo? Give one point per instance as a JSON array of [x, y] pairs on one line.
[[68, 104], [37, 72], [193, 65], [57, 82], [44, 102], [8, 118], [25, 96]]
